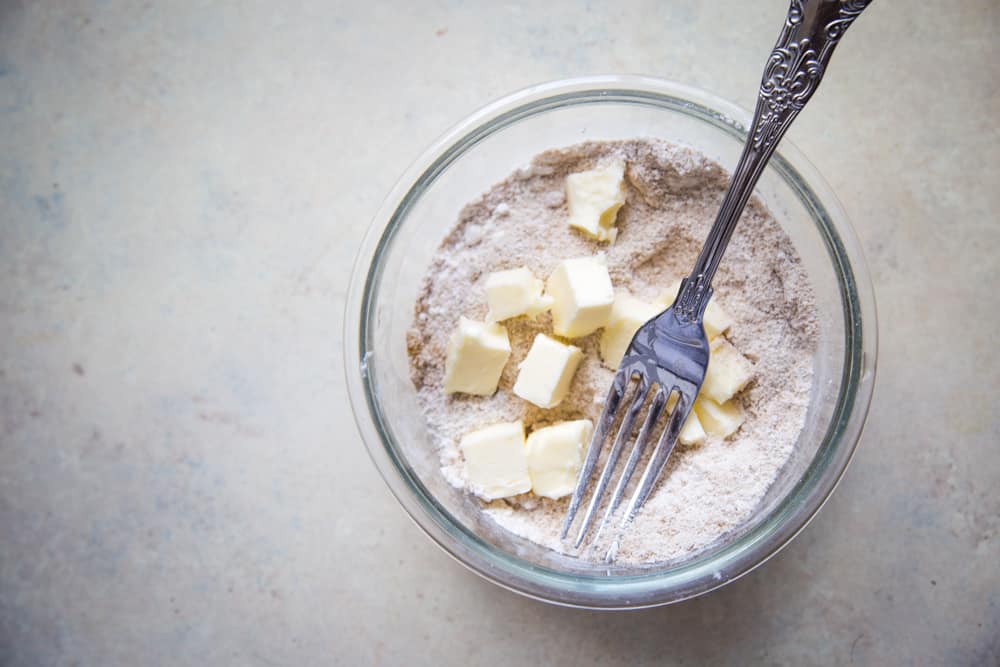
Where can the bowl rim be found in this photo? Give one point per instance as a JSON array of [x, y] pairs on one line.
[[716, 567]]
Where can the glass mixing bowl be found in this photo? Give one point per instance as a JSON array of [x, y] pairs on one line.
[[466, 162]]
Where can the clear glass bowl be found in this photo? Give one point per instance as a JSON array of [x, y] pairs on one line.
[[466, 162]]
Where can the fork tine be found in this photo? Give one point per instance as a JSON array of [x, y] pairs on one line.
[[660, 455], [624, 434], [655, 409], [614, 397]]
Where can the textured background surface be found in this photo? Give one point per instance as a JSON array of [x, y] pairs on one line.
[[182, 188]]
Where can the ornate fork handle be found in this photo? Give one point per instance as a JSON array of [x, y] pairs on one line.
[[811, 32]]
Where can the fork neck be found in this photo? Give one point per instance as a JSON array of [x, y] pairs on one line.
[[811, 31]]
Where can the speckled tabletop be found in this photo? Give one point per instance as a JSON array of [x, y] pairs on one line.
[[182, 189]]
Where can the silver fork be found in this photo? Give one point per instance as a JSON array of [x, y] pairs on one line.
[[669, 354]]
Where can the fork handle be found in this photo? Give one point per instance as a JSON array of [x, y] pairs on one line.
[[811, 32]]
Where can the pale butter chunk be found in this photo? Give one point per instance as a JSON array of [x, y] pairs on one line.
[[546, 373], [496, 463], [727, 373], [721, 420], [514, 292], [716, 320], [692, 432], [594, 198], [555, 454], [627, 315], [476, 355], [582, 296]]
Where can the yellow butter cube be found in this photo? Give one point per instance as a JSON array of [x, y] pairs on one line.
[[476, 355], [721, 420], [546, 373], [513, 293], [716, 320], [496, 463], [728, 371], [594, 197], [627, 315], [692, 433], [582, 296], [555, 454]]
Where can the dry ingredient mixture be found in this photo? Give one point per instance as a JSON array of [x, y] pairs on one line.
[[673, 194]]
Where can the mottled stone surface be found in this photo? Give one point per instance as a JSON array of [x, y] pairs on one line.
[[182, 188]]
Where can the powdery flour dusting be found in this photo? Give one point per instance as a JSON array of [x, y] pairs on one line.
[[673, 195]]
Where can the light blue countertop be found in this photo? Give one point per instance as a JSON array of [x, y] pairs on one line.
[[183, 186]]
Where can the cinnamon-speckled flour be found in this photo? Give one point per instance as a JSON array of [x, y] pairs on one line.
[[673, 196]]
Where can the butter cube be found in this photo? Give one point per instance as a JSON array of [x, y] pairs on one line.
[[728, 371], [627, 315], [514, 292], [721, 420], [555, 454], [692, 433], [476, 355], [547, 372], [716, 320], [594, 198], [496, 464], [582, 296]]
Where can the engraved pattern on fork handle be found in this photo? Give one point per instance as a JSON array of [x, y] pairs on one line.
[[793, 71]]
